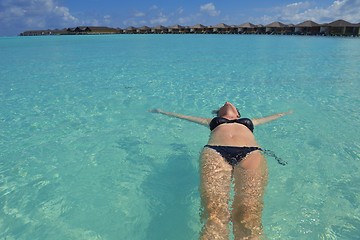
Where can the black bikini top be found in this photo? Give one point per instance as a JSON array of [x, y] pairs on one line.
[[220, 120]]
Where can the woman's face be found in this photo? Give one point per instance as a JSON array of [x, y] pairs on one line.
[[229, 110]]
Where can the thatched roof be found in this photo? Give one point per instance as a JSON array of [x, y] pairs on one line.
[[177, 27], [340, 23], [247, 25], [144, 28], [98, 28], [221, 25], [131, 28], [198, 26], [101, 29], [308, 24], [276, 25], [95, 29], [160, 27]]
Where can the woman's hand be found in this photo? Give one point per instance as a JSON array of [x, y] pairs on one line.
[[286, 113], [155, 110]]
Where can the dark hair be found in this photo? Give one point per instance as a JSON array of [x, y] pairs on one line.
[[238, 112], [216, 112]]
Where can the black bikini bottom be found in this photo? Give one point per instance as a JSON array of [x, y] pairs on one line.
[[233, 155]]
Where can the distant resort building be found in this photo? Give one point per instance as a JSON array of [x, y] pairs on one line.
[[307, 28], [81, 30], [199, 29], [248, 28], [336, 28], [277, 28], [159, 30], [178, 29]]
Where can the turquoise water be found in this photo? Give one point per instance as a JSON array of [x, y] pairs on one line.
[[81, 158]]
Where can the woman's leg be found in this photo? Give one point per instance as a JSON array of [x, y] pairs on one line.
[[250, 177], [215, 191]]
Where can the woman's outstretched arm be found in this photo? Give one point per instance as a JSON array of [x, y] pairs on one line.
[[258, 121], [199, 120]]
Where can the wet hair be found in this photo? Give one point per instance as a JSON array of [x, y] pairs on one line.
[[216, 112]]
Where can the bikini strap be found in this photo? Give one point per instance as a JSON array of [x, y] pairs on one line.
[[272, 154]]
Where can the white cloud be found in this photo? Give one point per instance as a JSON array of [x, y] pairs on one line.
[[153, 7], [139, 14], [191, 19], [161, 19], [153, 16], [348, 10], [184, 20], [107, 19], [25, 15], [210, 9], [64, 13], [180, 10], [345, 9]]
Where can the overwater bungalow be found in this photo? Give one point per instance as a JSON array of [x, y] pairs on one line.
[[71, 29], [336, 28], [221, 28], [290, 29], [102, 30], [92, 30], [198, 28], [357, 29], [307, 28], [143, 30], [130, 30], [80, 29], [261, 29], [159, 29], [35, 33], [45, 32], [276, 28], [339, 28], [247, 28], [177, 29]]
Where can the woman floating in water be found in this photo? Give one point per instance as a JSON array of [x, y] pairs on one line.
[[231, 152]]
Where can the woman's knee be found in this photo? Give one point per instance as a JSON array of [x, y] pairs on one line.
[[246, 224], [219, 211]]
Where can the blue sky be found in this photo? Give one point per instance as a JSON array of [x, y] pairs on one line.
[[17, 16]]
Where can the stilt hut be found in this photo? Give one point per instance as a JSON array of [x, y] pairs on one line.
[[307, 28], [341, 28], [35, 33], [59, 31], [198, 28], [159, 29], [261, 29], [357, 29], [100, 30], [177, 29], [80, 30], [130, 30], [221, 28], [275, 28], [290, 29], [143, 30], [247, 28]]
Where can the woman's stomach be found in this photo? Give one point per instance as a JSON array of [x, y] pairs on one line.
[[232, 136]]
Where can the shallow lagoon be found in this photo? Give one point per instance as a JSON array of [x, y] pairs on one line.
[[81, 158]]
